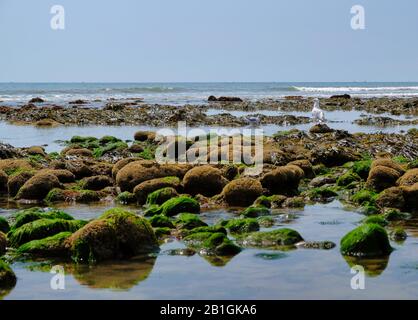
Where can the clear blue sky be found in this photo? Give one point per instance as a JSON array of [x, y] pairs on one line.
[[208, 40]]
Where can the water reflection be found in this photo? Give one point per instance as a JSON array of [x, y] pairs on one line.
[[373, 267]]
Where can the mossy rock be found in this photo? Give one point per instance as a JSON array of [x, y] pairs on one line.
[[239, 226], [348, 178], [28, 215], [42, 228], [294, 202], [178, 205], [80, 139], [3, 243], [209, 243], [126, 197], [271, 239], [367, 240], [369, 208], [37, 187], [322, 193], [4, 225], [254, 212], [53, 246], [161, 195], [116, 234], [266, 221], [392, 197], [398, 234], [112, 146], [378, 219], [152, 210], [393, 214], [263, 201], [162, 232], [7, 277], [161, 221], [362, 168], [363, 196], [189, 221]]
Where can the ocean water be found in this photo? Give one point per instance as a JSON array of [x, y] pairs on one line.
[[197, 93]]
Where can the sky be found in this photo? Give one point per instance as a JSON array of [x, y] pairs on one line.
[[208, 40]]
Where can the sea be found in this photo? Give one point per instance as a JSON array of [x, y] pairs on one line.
[[196, 92]]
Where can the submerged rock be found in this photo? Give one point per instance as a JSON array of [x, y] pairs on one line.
[[240, 226], [324, 245], [209, 243], [271, 239]]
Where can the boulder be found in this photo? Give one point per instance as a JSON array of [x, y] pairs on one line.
[[35, 213], [3, 181], [388, 163], [411, 197], [242, 192], [240, 226], [409, 178], [64, 176], [13, 166], [283, 180], [96, 182], [178, 205], [36, 150], [139, 171], [161, 195], [7, 277], [78, 168], [117, 234], [320, 128], [78, 152], [143, 189], [391, 198], [212, 243], [382, 177], [17, 181], [306, 166], [367, 240], [144, 136], [205, 180], [120, 164], [53, 246], [37, 187]]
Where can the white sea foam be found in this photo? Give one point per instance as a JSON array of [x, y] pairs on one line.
[[356, 89]]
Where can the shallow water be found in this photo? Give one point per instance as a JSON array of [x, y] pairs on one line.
[[28, 135], [252, 274]]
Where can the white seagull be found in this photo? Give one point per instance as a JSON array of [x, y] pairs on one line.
[[317, 113], [253, 120]]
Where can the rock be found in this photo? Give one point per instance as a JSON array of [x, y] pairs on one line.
[[64, 176], [306, 166], [120, 164], [209, 243], [35, 213], [323, 245], [283, 180], [8, 152], [144, 136], [382, 177], [271, 239], [178, 205], [145, 188], [36, 100], [341, 96], [3, 243], [204, 180], [126, 197], [391, 198], [136, 148], [17, 181], [398, 234], [3, 181], [332, 155], [411, 197], [37, 187], [388, 163], [78, 101], [96, 182], [78, 152], [322, 180], [376, 219], [161, 195], [78, 168], [348, 178], [117, 234], [367, 240], [409, 178], [136, 172], [240, 226], [224, 99], [42, 228], [47, 123], [161, 221], [7, 277], [392, 214], [242, 192], [4, 225], [53, 246], [362, 168], [12, 166], [189, 221], [321, 194], [364, 196], [320, 128], [36, 150], [294, 202], [255, 211], [212, 98]]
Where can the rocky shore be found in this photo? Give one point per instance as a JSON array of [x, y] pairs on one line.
[[140, 113]]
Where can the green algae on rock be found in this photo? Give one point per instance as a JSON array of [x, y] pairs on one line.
[[212, 243], [161, 195], [271, 239], [53, 246], [42, 228], [178, 205], [256, 211], [367, 240], [378, 219], [160, 220], [239, 226], [126, 197], [35, 213], [116, 234], [189, 221]]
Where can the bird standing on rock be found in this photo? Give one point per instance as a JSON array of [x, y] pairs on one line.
[[317, 113]]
